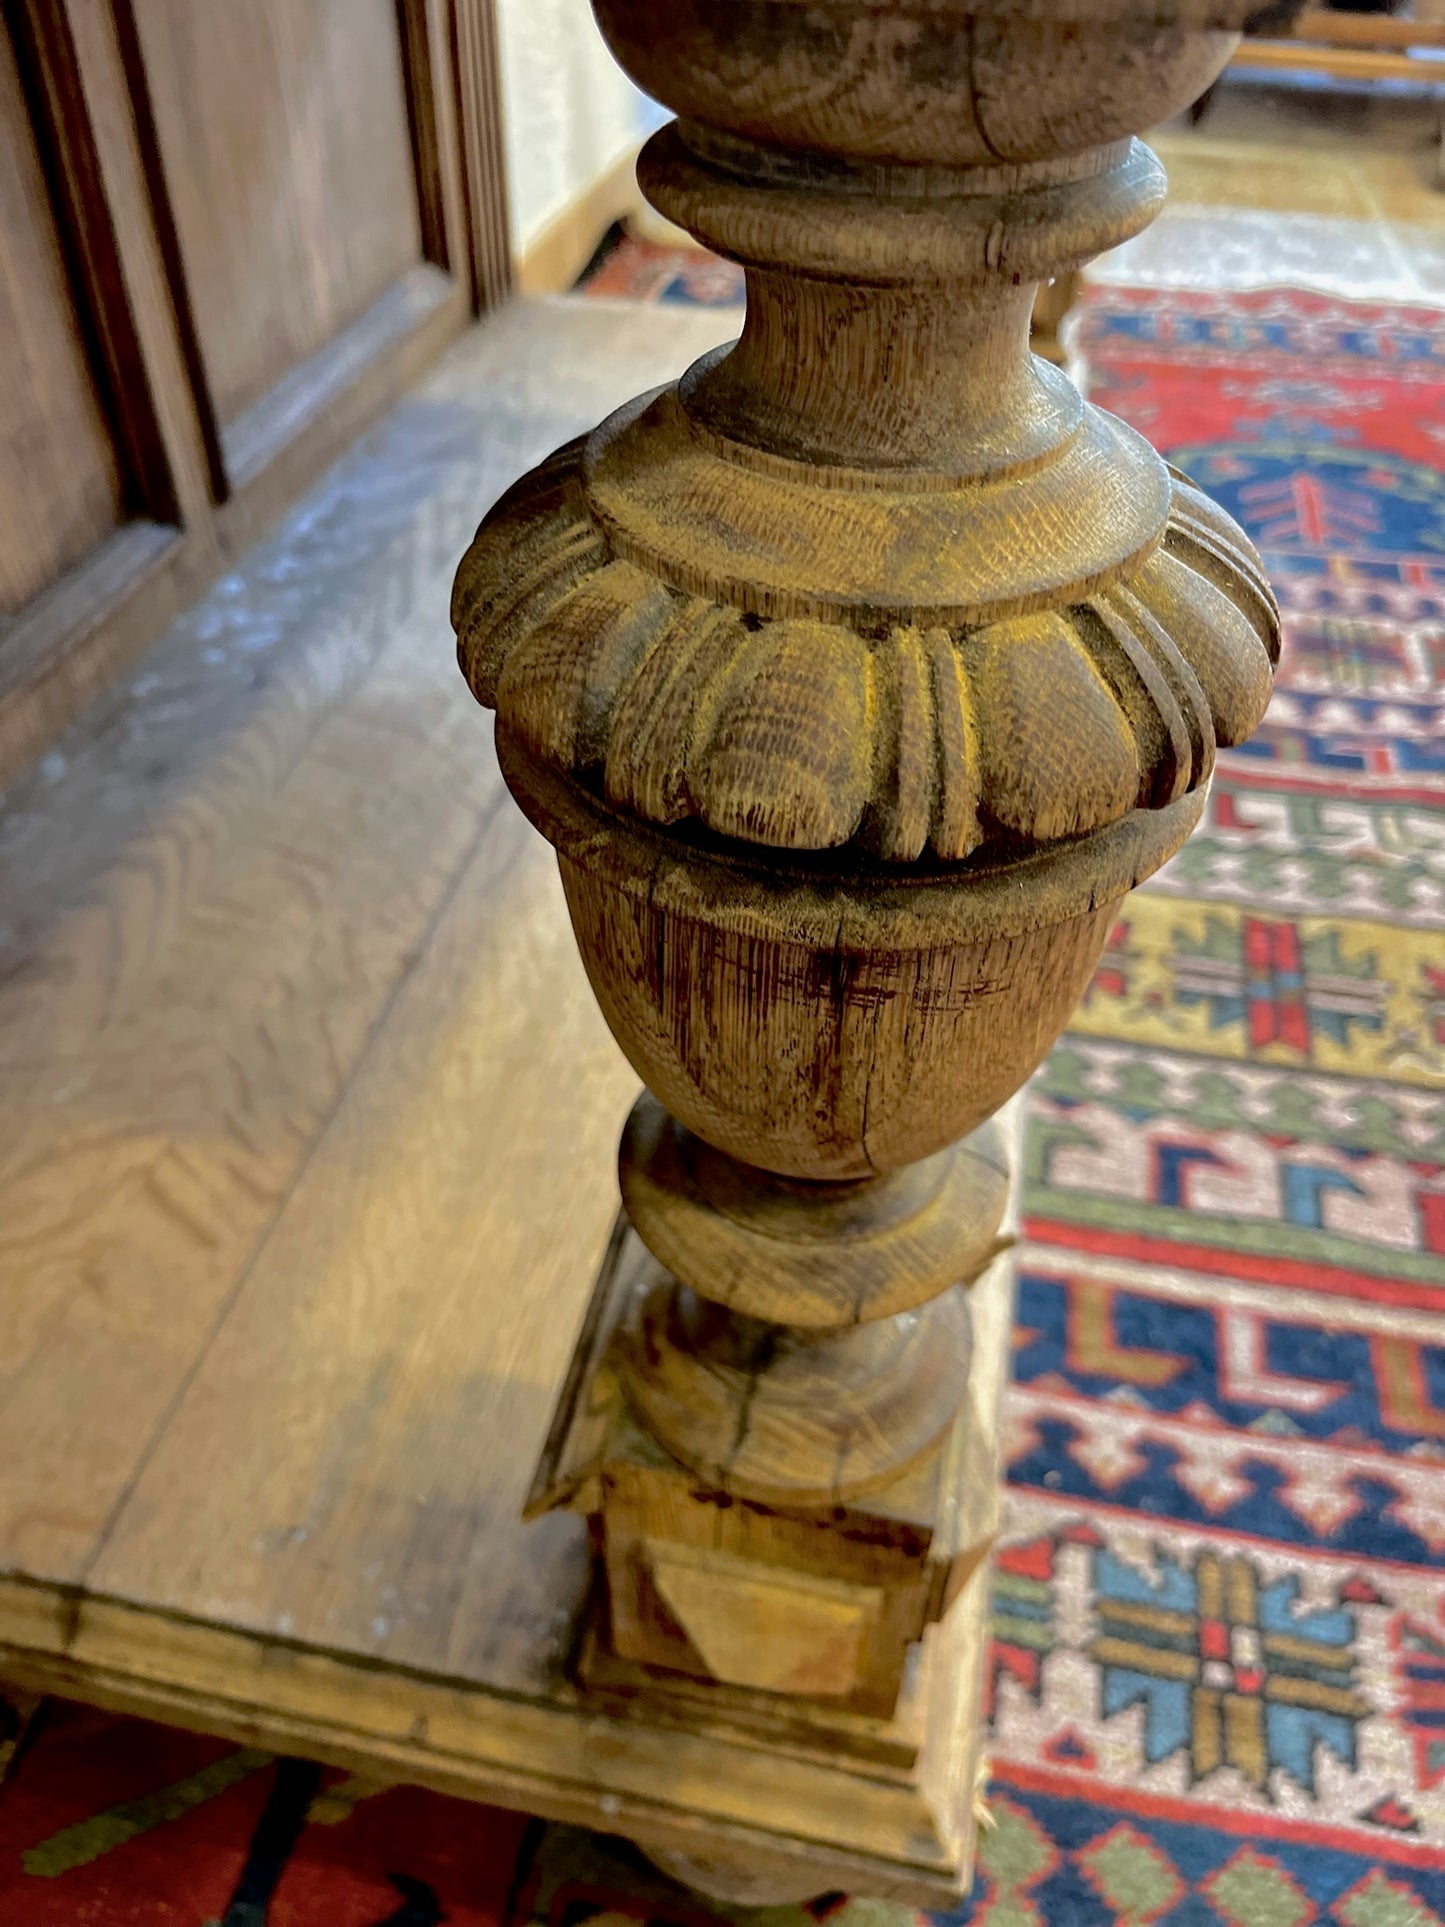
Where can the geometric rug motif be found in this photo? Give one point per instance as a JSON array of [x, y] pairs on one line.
[[1218, 1681]]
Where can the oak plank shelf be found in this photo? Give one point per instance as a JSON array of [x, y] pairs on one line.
[[831, 1803], [288, 1289], [304, 1530]]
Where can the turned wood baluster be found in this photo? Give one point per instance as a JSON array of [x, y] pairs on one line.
[[855, 677]]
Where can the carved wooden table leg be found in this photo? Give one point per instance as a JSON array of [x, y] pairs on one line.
[[855, 678]]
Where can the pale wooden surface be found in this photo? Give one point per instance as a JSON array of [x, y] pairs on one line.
[[215, 921], [768, 1251], [291, 1026]]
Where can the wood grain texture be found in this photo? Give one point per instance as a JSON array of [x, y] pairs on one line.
[[284, 135], [401, 1447], [176, 1024], [146, 269], [470, 1613], [62, 490], [816, 1028], [302, 398], [477, 61], [742, 606], [817, 1821], [351, 1157], [898, 1557], [760, 1410], [920, 83], [906, 1562], [94, 239], [284, 1345], [178, 1020], [812, 1256], [816, 1809], [776, 1632], [189, 1101]]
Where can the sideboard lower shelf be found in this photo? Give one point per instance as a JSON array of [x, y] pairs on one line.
[[319, 1547]]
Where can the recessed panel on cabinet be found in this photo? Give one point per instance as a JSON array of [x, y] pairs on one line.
[[284, 138], [232, 233], [61, 488]]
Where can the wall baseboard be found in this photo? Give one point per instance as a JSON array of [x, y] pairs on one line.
[[551, 263]]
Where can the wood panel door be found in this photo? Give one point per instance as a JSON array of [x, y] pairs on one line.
[[62, 492], [230, 231], [87, 499]]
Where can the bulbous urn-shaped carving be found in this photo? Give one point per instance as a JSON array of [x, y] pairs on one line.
[[857, 675]]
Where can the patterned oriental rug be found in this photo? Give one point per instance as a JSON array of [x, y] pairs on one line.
[[1218, 1682]]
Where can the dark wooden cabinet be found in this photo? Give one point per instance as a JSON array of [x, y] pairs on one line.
[[230, 231]]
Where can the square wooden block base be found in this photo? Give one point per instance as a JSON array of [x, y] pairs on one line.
[[787, 1633], [825, 1604]]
